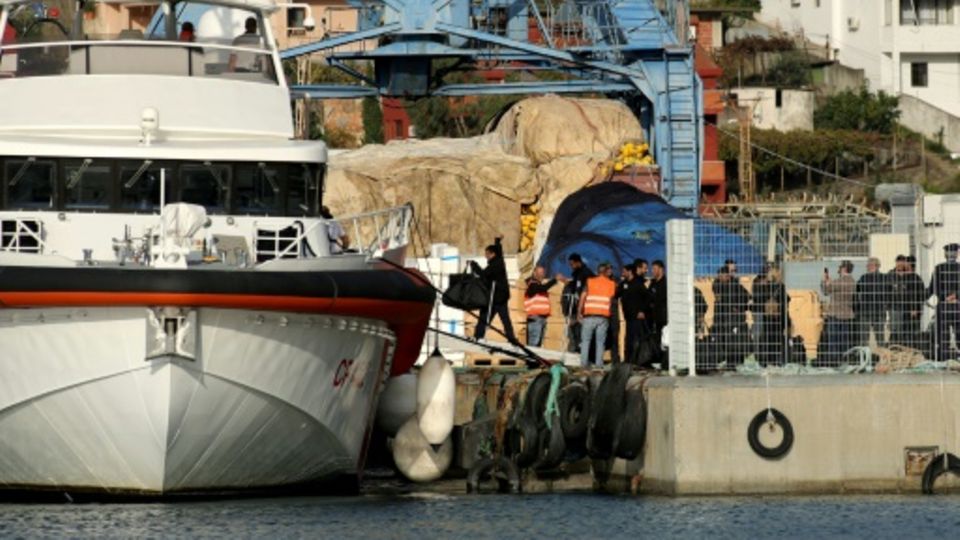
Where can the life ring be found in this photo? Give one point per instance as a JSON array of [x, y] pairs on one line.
[[553, 445], [573, 403], [937, 468], [524, 442], [606, 411], [633, 426], [498, 469], [769, 416]]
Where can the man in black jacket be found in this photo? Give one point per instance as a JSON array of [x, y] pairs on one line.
[[871, 299], [634, 301], [494, 277], [906, 303], [945, 285], [658, 304], [731, 301], [570, 300]]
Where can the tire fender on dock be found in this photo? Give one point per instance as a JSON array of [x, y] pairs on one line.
[[436, 397], [397, 404], [416, 458], [770, 417], [939, 465], [574, 404], [499, 469], [633, 426], [606, 412]]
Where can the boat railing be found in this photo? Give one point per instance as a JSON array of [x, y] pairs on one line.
[[21, 235], [134, 57], [373, 234]]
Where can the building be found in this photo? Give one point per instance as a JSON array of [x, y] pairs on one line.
[[777, 108], [907, 48]]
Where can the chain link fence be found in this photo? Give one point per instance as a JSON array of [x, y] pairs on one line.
[[799, 294]]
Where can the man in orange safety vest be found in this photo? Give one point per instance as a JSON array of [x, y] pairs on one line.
[[536, 302], [595, 310]]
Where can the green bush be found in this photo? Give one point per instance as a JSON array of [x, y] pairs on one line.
[[861, 111]]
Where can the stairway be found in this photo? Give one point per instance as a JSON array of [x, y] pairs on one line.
[[635, 33]]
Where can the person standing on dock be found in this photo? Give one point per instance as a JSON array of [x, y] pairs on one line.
[[634, 302], [595, 310], [838, 329], [572, 289], [536, 302], [870, 303], [730, 312], [495, 278], [658, 306], [945, 285], [906, 304]]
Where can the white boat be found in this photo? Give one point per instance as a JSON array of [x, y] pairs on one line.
[[174, 316]]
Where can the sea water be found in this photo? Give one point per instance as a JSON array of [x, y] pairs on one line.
[[427, 515]]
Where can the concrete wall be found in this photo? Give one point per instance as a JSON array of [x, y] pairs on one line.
[[929, 120], [835, 78], [795, 110], [851, 432]]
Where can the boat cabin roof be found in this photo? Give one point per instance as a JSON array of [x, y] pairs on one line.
[[266, 6]]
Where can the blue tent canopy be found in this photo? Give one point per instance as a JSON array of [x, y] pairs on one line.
[[615, 222]]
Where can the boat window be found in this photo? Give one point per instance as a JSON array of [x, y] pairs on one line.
[[30, 183], [140, 186], [88, 184], [257, 189], [303, 190], [206, 184]]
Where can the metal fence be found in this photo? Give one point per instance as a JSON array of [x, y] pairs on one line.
[[836, 292]]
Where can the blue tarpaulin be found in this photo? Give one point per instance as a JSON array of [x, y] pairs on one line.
[[617, 223]]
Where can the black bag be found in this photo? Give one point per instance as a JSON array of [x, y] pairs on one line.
[[467, 292]]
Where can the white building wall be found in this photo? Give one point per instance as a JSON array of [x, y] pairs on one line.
[[795, 110], [868, 35]]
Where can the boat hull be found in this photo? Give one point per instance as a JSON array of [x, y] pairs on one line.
[[102, 399]]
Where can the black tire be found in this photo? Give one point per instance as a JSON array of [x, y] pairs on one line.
[[633, 426], [553, 446], [524, 442], [753, 434], [936, 468], [535, 401], [499, 469], [574, 405], [606, 411]]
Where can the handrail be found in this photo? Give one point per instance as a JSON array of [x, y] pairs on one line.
[[392, 232], [135, 43]]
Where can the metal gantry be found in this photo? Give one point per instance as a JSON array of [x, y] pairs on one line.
[[634, 50]]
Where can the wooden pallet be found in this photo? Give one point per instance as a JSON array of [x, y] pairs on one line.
[[493, 362]]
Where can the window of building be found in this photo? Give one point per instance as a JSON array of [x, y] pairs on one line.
[[778, 98], [918, 74], [887, 12], [926, 12], [88, 184]]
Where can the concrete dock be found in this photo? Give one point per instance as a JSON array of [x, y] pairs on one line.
[[852, 433]]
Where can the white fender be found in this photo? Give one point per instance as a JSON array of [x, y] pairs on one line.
[[416, 458], [398, 403], [436, 395]]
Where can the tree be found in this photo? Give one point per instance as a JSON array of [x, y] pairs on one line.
[[372, 120], [860, 111]]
